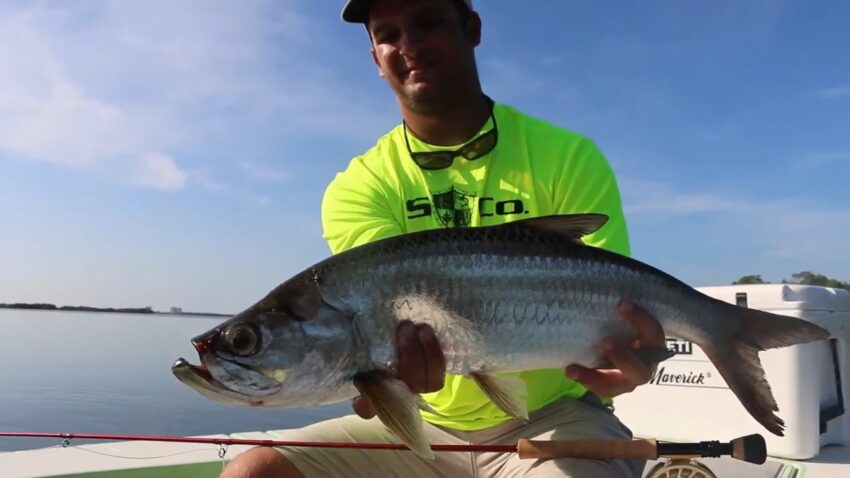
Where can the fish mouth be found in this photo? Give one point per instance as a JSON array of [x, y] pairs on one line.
[[183, 369], [202, 381]]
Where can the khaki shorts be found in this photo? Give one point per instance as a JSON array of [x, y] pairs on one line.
[[564, 419]]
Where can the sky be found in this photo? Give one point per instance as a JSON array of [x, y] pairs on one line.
[[161, 153]]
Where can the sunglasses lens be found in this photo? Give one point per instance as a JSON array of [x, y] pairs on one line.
[[475, 149], [433, 160], [480, 146]]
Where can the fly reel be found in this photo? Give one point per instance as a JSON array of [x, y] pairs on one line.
[[680, 468], [680, 456]]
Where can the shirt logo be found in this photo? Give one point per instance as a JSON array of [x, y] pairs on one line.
[[454, 208]]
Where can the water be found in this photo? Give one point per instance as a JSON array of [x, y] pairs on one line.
[[111, 373]]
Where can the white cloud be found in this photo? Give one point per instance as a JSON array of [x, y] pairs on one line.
[[655, 198], [65, 127], [811, 165], [263, 172], [780, 228], [204, 180], [159, 171], [825, 159], [834, 92], [100, 82], [46, 116], [504, 79]]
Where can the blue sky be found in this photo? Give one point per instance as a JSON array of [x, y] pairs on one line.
[[175, 153]]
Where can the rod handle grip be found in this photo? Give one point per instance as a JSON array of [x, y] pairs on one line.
[[594, 449]]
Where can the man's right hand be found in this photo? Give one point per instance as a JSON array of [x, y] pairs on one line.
[[420, 363]]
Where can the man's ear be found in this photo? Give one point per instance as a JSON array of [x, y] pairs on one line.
[[377, 63], [473, 29]]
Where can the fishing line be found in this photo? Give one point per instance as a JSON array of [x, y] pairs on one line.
[[66, 443], [124, 457]]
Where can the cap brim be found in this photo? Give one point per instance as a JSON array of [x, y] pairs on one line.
[[356, 11]]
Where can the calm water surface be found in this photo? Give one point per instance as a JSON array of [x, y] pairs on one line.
[[111, 373]]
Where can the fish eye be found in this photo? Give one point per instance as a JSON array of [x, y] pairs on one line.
[[242, 340]]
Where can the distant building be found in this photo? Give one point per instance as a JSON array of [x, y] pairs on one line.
[[177, 310]]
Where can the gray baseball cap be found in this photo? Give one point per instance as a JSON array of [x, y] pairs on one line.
[[357, 11]]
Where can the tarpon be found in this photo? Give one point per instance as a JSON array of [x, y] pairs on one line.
[[525, 295]]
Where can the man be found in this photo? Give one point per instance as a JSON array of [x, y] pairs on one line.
[[501, 166]]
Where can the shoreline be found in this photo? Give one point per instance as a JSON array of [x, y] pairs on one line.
[[113, 310]]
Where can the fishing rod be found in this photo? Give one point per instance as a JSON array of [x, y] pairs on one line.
[[750, 449], [237, 441]]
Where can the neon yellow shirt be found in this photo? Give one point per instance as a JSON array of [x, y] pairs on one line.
[[536, 169]]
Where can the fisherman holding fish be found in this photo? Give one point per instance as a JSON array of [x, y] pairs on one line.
[[460, 159], [477, 252]]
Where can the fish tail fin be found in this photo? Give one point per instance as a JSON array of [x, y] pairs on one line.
[[738, 361]]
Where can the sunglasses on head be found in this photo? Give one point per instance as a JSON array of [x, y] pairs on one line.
[[478, 147]]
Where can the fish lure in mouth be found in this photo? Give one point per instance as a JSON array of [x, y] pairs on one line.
[[523, 296]]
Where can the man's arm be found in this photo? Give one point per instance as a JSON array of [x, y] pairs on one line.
[[586, 183], [356, 210]]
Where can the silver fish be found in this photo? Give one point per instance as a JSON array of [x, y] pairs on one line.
[[521, 296]]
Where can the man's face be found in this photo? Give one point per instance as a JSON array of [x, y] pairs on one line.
[[422, 49]]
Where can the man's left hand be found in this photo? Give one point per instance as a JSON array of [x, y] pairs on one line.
[[628, 370]]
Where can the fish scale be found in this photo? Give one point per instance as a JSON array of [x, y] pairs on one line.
[[561, 300]]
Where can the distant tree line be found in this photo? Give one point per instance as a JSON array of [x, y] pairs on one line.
[[804, 278], [130, 310]]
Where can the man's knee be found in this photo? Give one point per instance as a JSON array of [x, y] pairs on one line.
[[261, 462]]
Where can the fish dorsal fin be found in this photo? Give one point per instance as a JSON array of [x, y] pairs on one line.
[[571, 226]]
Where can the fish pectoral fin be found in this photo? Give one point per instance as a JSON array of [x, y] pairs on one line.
[[650, 356], [508, 393], [653, 355], [397, 407]]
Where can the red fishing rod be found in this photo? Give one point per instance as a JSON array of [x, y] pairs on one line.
[[750, 448], [237, 441]]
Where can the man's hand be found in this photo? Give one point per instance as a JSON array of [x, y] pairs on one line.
[[421, 364], [629, 371]]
